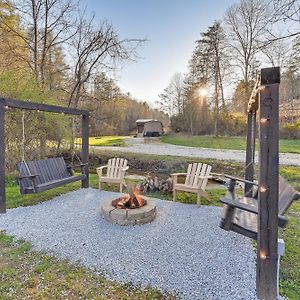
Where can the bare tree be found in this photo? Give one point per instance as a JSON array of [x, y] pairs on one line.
[[287, 10], [94, 50], [172, 99], [286, 14], [247, 23], [277, 52], [48, 25]]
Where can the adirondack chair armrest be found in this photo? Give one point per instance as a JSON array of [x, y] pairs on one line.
[[178, 174], [125, 169], [100, 170], [175, 176], [206, 177]]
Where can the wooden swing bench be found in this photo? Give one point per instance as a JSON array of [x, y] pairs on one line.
[[41, 175], [241, 212]]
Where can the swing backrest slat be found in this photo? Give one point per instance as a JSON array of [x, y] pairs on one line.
[[47, 170]]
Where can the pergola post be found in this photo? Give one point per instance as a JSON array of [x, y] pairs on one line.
[[28, 105], [250, 152], [2, 157], [267, 242], [85, 148]]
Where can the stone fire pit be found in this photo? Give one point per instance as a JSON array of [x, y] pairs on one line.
[[141, 215]]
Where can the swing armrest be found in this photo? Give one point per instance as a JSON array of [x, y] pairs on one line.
[[240, 180], [29, 176], [79, 165]]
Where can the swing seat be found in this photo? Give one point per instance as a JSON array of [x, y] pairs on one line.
[[240, 213], [42, 175]]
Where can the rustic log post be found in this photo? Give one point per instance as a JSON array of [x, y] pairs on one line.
[[267, 242], [250, 152], [85, 149], [2, 157]]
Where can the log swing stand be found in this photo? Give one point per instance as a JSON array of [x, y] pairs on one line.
[[258, 215], [26, 105]]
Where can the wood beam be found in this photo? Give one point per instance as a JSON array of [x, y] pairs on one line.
[[85, 149], [12, 103], [2, 157], [267, 240], [250, 153]]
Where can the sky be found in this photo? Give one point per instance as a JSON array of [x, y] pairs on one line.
[[171, 28]]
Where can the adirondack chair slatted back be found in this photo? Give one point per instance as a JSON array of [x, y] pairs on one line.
[[115, 166], [195, 172], [49, 169]]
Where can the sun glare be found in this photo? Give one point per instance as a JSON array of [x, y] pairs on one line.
[[202, 92]]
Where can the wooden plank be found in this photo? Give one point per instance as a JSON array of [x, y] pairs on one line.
[[2, 157], [43, 107], [85, 149], [61, 173], [250, 153], [117, 169], [112, 168], [55, 171], [188, 174], [108, 167], [197, 181], [192, 176], [205, 180], [33, 170], [267, 240], [62, 167], [57, 183], [42, 169], [25, 182], [286, 196]]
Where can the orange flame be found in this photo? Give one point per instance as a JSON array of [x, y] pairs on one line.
[[138, 196]]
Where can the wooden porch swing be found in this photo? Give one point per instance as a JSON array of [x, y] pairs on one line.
[[41, 175], [258, 214]]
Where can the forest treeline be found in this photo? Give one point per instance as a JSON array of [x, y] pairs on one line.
[[211, 97], [53, 51]]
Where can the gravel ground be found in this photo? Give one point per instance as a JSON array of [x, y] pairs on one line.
[[183, 250], [156, 148]]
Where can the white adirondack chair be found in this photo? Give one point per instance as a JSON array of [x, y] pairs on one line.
[[116, 168], [195, 182]]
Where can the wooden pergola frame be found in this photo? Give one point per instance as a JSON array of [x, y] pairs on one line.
[[26, 105], [265, 101]]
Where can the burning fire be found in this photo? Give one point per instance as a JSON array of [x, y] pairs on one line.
[[133, 199]]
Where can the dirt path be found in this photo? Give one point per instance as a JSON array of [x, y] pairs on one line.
[[138, 145]]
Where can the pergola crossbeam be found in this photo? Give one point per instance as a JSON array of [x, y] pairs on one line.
[[12, 103], [18, 104]]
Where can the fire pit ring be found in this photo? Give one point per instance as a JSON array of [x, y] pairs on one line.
[[127, 216]]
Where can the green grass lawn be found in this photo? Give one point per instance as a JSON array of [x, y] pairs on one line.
[[223, 142], [28, 274], [104, 141]]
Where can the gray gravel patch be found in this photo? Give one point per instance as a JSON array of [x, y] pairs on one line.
[[156, 148], [183, 250]]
